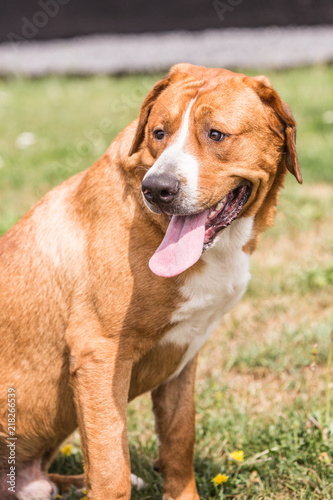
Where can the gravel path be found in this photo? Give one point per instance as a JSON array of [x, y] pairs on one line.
[[270, 47]]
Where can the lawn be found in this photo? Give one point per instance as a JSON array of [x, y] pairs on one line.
[[265, 380]]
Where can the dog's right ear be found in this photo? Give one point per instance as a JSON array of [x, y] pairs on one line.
[[144, 113]]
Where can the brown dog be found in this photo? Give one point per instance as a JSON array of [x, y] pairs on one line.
[[86, 325]]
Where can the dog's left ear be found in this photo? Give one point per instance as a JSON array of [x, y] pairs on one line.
[[144, 113], [271, 98]]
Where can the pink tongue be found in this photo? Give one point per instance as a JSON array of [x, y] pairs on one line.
[[181, 246]]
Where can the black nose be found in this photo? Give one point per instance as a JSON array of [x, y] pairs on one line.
[[160, 189]]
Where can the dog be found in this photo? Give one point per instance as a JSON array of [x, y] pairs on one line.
[[114, 280]]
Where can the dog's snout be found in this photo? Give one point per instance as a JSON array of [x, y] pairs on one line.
[[160, 189]]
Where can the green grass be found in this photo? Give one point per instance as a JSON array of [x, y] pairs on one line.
[[73, 121], [264, 384]]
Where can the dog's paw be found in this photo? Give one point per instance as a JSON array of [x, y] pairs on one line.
[[184, 495], [137, 482], [41, 489]]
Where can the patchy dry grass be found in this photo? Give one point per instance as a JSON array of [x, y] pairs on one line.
[[263, 381]]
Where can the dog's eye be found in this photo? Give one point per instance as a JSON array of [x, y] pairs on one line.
[[215, 135], [158, 134]]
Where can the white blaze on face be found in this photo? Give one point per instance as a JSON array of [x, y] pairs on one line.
[[175, 161], [183, 241]]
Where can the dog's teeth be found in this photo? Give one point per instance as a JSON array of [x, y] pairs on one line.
[[220, 205], [212, 214]]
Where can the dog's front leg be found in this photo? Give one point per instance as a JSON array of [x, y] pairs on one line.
[[100, 376], [173, 406]]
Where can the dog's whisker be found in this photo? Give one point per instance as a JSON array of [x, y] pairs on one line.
[[142, 167]]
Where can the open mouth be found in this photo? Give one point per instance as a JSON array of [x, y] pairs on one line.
[[225, 212], [187, 236]]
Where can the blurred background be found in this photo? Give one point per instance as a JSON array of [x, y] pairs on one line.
[[73, 73], [81, 37]]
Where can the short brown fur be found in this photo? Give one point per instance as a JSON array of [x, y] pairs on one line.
[[81, 314]]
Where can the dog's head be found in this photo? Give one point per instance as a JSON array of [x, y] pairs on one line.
[[217, 145]]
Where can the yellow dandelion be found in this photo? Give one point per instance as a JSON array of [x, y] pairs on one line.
[[67, 450], [220, 479], [84, 498], [84, 491], [237, 455]]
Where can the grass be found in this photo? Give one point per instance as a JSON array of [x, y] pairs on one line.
[[265, 378]]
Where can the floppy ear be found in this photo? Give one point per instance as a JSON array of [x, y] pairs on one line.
[[292, 163], [263, 79], [144, 113], [282, 110]]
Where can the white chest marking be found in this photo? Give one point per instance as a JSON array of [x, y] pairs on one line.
[[213, 292]]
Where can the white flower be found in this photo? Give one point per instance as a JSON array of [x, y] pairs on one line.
[[25, 139]]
